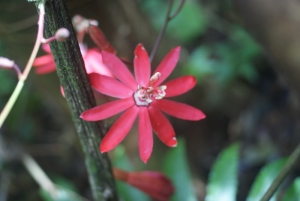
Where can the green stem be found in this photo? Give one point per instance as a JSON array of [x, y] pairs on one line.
[[79, 96], [10, 103], [168, 18], [291, 162]]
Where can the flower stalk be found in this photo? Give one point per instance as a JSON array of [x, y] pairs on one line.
[[6, 110], [78, 93]]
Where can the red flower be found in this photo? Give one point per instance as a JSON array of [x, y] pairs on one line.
[[141, 97], [153, 183], [92, 59], [45, 64]]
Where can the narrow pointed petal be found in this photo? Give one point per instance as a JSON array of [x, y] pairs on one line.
[[145, 135], [109, 86], [100, 40], [142, 68], [180, 85], [119, 129], [162, 127], [167, 65], [119, 69], [42, 60], [107, 110], [179, 110], [46, 48], [62, 91], [47, 68], [94, 63]]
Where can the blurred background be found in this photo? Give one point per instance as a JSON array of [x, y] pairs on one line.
[[244, 55]]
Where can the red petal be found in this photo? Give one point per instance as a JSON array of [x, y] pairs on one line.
[[142, 66], [94, 63], [153, 183], [46, 48], [162, 127], [109, 86], [47, 68], [179, 110], [119, 69], [107, 110], [119, 129], [99, 39], [180, 85], [62, 91], [42, 60], [145, 134], [167, 65]]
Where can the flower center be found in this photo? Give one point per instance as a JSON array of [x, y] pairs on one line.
[[144, 95]]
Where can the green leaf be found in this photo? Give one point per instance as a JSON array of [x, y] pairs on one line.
[[222, 182], [176, 168], [264, 179], [127, 192], [293, 192]]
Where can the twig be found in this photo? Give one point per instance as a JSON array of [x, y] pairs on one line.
[[44, 181], [291, 162], [163, 29], [38, 174]]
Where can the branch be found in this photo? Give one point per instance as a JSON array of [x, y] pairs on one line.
[[168, 18]]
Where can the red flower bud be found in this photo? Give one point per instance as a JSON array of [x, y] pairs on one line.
[[155, 184]]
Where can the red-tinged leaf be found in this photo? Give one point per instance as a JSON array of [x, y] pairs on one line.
[[145, 135], [43, 60], [179, 110], [180, 85], [162, 127], [153, 183], [94, 63], [44, 69], [167, 65], [100, 40], [119, 129], [107, 110], [109, 86], [142, 66], [119, 69]]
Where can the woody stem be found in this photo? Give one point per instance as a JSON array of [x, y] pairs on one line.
[[78, 93]]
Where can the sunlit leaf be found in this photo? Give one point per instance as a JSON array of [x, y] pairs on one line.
[[222, 182], [264, 179], [176, 168]]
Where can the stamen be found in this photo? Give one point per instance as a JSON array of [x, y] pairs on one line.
[[144, 95], [154, 77]]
